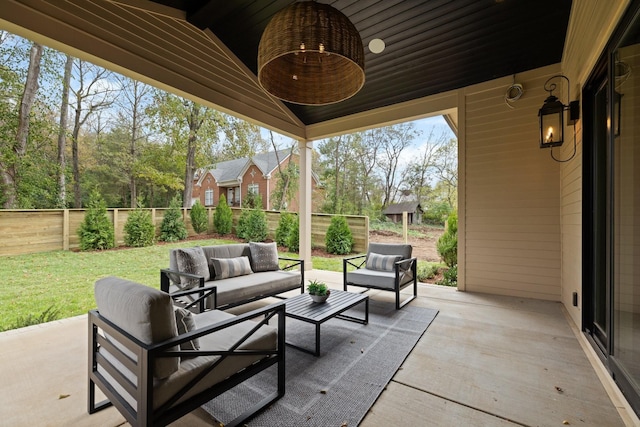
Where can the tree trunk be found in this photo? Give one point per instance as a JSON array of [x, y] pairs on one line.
[[10, 174], [62, 134], [194, 126]]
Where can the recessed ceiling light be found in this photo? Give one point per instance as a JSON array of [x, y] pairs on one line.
[[376, 46]]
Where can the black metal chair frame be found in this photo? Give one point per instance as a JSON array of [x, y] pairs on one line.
[[142, 391], [211, 290], [409, 264]]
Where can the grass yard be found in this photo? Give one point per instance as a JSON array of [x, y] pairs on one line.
[[63, 281]]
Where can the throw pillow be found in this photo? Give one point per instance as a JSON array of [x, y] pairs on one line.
[[264, 256], [231, 267], [194, 261], [382, 262], [185, 323]]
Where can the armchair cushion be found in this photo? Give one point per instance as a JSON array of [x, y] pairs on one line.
[[144, 312], [231, 267], [381, 262], [194, 261], [264, 256]]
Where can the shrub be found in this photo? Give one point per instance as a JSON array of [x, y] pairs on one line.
[[450, 277], [339, 239], [96, 231], [436, 213], [284, 228], [447, 244], [48, 315], [293, 238], [139, 229], [427, 271], [172, 228], [223, 217], [252, 225], [199, 220]]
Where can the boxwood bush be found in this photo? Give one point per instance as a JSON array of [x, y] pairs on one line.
[[339, 239]]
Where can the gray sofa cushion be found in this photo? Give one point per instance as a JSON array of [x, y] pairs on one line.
[[238, 289], [231, 267], [382, 262], [194, 261], [264, 256], [144, 312], [378, 279]]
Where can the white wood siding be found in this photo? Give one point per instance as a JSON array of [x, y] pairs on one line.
[[511, 240]]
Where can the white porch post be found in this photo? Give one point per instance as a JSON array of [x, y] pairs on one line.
[[304, 214]]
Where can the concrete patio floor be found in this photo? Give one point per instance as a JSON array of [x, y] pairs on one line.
[[485, 361]]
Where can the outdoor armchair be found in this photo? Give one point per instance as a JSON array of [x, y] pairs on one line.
[[385, 266], [156, 363]]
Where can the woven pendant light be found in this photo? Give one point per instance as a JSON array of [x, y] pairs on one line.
[[311, 54]]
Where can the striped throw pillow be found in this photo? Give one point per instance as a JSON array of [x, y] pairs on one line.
[[381, 262], [231, 267]]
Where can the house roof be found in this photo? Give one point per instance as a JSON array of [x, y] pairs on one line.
[[398, 208], [231, 171], [206, 50]]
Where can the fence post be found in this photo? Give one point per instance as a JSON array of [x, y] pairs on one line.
[[65, 229], [405, 226], [115, 227]]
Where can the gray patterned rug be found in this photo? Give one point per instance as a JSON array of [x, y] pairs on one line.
[[338, 388]]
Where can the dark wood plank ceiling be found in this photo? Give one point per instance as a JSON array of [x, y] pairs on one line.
[[432, 46]]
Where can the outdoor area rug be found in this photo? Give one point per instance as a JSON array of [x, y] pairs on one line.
[[336, 389]]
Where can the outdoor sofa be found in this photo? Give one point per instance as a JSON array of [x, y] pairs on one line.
[[156, 362], [385, 266], [231, 274]]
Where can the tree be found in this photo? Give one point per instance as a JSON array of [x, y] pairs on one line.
[[62, 134], [139, 229], [287, 183], [198, 215], [394, 139], [96, 231], [10, 166], [339, 239], [222, 216], [192, 129], [90, 96], [172, 227], [133, 102]]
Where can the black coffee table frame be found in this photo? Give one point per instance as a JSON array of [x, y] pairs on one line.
[[301, 307]]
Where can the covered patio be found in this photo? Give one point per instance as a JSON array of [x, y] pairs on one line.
[[521, 340], [486, 360]]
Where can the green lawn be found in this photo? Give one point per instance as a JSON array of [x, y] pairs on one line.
[[64, 280]]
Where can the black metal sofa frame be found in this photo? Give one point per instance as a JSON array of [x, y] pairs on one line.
[[142, 389]]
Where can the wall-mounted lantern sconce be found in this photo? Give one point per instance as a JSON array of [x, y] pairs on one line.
[[552, 117]]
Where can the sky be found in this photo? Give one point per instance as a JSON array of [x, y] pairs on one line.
[[436, 123]]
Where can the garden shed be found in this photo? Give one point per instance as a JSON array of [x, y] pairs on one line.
[[413, 209]]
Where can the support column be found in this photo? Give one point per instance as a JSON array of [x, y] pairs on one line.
[[304, 213]]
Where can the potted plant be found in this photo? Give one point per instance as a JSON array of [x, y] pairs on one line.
[[318, 291]]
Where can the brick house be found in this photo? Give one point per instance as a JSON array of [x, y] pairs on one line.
[[235, 178]]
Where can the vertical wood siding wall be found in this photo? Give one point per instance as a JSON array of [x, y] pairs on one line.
[[512, 193], [31, 231]]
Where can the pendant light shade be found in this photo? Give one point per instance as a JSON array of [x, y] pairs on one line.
[[311, 54]]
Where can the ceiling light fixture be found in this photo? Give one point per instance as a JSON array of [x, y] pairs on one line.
[[311, 54], [376, 46]]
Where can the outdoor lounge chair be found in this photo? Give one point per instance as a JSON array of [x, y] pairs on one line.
[[386, 266], [154, 374]]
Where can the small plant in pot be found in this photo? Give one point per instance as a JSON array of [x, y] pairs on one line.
[[318, 291]]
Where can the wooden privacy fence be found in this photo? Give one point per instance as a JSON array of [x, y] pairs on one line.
[[43, 230]]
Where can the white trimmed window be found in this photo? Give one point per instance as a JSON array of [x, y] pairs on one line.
[[253, 188], [208, 197]]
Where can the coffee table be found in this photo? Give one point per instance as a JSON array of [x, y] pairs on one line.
[[301, 307]]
